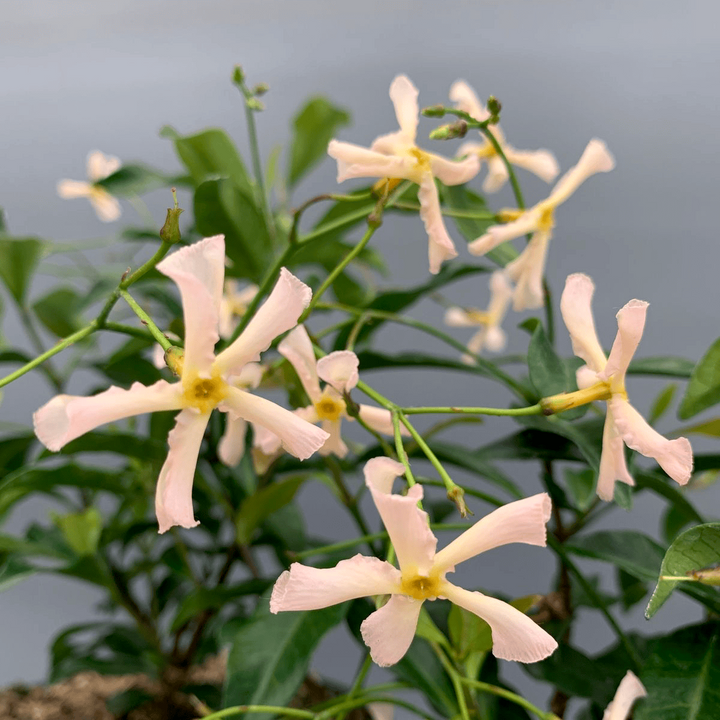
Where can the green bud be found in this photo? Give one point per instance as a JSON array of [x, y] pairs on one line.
[[494, 107], [260, 89], [170, 231], [450, 132], [457, 495], [238, 76], [433, 111], [254, 104]]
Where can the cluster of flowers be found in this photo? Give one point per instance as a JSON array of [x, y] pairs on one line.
[[224, 382]]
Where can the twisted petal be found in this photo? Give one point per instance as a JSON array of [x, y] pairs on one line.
[[231, 447], [173, 497], [69, 189], [404, 96], [106, 207], [296, 347], [405, 523], [266, 441], [308, 588], [355, 161], [389, 631], [596, 158], [497, 175], [629, 690], [379, 420], [674, 456], [67, 417], [498, 234], [454, 172], [278, 313], [612, 461], [334, 445], [527, 271], [631, 323], [298, 436], [466, 100], [339, 369], [576, 309], [539, 162], [515, 636], [198, 271], [520, 521], [249, 377], [440, 247], [99, 165]]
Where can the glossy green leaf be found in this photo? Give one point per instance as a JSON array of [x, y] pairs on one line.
[[703, 390], [581, 487], [663, 365], [134, 179], [428, 630], [59, 311], [313, 127], [547, 370], [711, 428], [270, 655], [19, 258], [81, 530], [14, 570], [662, 403], [695, 549]]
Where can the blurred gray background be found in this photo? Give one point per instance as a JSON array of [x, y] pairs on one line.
[[79, 75]]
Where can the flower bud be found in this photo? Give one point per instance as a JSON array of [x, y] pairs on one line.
[[238, 76], [254, 104], [494, 107], [170, 231], [454, 130], [433, 111], [260, 89]]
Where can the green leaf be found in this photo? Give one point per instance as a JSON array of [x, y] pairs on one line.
[[313, 128], [581, 487], [695, 549], [711, 428], [664, 365], [703, 390], [662, 403], [547, 370], [222, 207], [19, 258], [468, 632], [428, 630], [81, 530], [59, 310], [14, 570], [682, 676], [134, 179], [270, 655]]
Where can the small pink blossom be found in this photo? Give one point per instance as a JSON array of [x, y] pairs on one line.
[[99, 166], [396, 156], [623, 423], [629, 690], [389, 631], [207, 381]]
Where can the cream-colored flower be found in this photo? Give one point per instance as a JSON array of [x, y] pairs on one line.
[[99, 166], [629, 690]]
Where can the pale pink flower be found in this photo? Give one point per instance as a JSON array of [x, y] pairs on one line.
[[234, 303], [623, 423], [340, 371], [539, 162], [491, 335], [527, 270], [99, 166], [629, 690], [397, 156], [206, 381], [389, 631]]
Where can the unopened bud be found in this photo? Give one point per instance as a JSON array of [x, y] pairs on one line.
[[170, 231], [454, 130], [174, 357], [494, 106], [260, 89], [433, 111], [238, 76], [254, 104], [457, 496]]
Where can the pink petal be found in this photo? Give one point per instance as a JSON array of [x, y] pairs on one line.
[[106, 207], [521, 521], [440, 247], [99, 166], [266, 441], [308, 588], [278, 313], [629, 690], [515, 636], [527, 272], [355, 161], [495, 339], [173, 497], [67, 417], [585, 377], [465, 99], [497, 175], [249, 377], [389, 631], [231, 447], [674, 456], [380, 420], [298, 436], [500, 293], [405, 523], [498, 234], [297, 348], [539, 162], [612, 461], [454, 172], [198, 270], [596, 158], [576, 309], [404, 96], [70, 189], [631, 323], [334, 445], [339, 369]]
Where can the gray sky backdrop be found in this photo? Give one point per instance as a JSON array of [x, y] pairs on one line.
[[643, 75]]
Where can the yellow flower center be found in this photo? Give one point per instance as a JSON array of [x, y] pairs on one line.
[[507, 215], [422, 159], [486, 151], [329, 407], [547, 218], [421, 587], [478, 316], [204, 393]]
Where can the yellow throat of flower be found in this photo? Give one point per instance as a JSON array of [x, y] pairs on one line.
[[421, 587], [547, 218], [329, 407], [480, 317], [203, 393]]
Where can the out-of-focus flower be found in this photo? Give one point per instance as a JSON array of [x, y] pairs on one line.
[[396, 156], [526, 271], [99, 166], [340, 371], [604, 379], [539, 162], [206, 381], [389, 631], [629, 690], [490, 335], [234, 303]]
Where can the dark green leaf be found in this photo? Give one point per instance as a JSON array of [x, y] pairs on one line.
[[703, 390], [662, 403], [632, 590], [18, 259], [547, 370], [14, 570], [59, 310], [126, 444], [134, 179], [81, 530], [711, 428], [581, 487], [665, 365]]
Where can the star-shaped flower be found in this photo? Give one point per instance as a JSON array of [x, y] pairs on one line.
[[629, 690], [206, 381], [397, 156], [99, 166], [389, 631], [539, 162], [527, 270], [605, 377]]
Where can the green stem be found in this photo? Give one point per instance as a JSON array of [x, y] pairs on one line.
[[449, 212], [125, 330], [159, 254], [37, 343], [508, 695], [146, 320], [485, 130], [357, 685], [532, 410], [274, 709], [335, 547], [400, 448], [456, 679]]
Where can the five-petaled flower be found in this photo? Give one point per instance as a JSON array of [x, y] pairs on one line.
[[340, 371], [540, 162], [389, 631], [604, 379], [99, 166], [206, 381], [526, 271], [490, 335], [396, 156], [629, 690]]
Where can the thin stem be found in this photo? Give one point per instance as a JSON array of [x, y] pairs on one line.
[[159, 254], [400, 448], [274, 709], [508, 695], [336, 547], [146, 320], [532, 410], [456, 679], [357, 685], [485, 130], [449, 212], [37, 343], [125, 330]]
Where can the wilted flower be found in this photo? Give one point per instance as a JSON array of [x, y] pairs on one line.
[[389, 631], [206, 381], [604, 379], [490, 335], [526, 271], [629, 690], [340, 371], [99, 166], [396, 156], [539, 162]]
